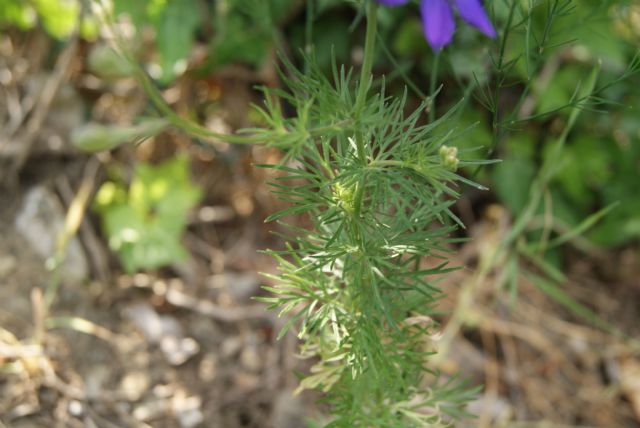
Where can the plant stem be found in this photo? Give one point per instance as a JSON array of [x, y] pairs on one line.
[[367, 61], [432, 87], [308, 34], [364, 83]]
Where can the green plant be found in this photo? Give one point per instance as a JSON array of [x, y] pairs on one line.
[[175, 24], [145, 222], [377, 185], [59, 18], [243, 31], [552, 45]]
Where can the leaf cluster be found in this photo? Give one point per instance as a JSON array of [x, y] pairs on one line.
[[58, 18], [360, 285], [144, 224]]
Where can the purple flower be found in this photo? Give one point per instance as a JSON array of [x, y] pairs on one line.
[[438, 22]]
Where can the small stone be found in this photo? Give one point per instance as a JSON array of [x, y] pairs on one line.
[[135, 384], [75, 408], [178, 350], [187, 409], [146, 320], [190, 418], [41, 222], [150, 410]]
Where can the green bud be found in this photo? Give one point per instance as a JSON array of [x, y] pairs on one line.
[[449, 157], [344, 196]]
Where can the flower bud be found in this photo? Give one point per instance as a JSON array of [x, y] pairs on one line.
[[344, 196], [449, 157]]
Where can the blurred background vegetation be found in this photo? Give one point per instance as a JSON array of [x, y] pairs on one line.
[[557, 232]]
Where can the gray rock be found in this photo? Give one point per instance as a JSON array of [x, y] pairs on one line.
[[40, 222]]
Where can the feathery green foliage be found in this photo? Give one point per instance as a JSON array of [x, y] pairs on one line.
[[360, 284]]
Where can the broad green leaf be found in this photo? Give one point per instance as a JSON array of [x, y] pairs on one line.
[[59, 17], [18, 13], [145, 224]]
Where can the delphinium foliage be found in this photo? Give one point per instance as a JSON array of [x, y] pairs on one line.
[[358, 285], [376, 184]]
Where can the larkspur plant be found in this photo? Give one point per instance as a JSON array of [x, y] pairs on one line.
[[359, 286]]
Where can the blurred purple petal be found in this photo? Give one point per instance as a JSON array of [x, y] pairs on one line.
[[393, 2], [474, 14], [437, 22]]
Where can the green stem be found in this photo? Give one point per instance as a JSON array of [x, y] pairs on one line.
[[432, 87], [367, 61], [361, 97], [308, 35]]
